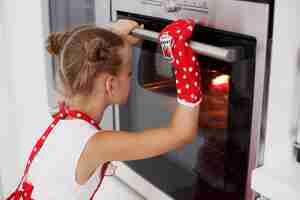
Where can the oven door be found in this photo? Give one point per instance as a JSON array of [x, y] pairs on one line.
[[215, 165]]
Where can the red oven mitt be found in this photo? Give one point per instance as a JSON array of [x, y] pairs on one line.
[[173, 40]]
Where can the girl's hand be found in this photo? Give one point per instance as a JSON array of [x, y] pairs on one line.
[[124, 27]]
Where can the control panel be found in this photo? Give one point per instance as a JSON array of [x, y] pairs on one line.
[[177, 5]]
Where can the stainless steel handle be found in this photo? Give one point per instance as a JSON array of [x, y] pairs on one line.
[[225, 54]]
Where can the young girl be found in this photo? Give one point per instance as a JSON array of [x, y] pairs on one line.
[[95, 72]]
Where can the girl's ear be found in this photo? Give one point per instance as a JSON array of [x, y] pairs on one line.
[[111, 83]]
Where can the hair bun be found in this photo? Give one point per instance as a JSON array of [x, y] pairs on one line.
[[96, 50], [55, 42]]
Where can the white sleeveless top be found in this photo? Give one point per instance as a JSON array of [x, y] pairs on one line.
[[52, 172]]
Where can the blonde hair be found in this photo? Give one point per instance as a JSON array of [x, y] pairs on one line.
[[82, 54]]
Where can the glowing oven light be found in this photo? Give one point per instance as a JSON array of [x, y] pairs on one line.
[[221, 83]]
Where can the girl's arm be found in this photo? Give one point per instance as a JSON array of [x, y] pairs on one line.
[[120, 145]]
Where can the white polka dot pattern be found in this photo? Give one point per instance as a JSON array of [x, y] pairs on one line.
[[185, 63]]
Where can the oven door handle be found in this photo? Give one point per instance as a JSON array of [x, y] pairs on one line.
[[226, 54]]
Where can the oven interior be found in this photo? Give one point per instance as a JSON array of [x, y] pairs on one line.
[[216, 164]]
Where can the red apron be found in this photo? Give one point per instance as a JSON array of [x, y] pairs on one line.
[[25, 188]]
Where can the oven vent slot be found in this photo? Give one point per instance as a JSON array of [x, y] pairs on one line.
[[196, 6], [152, 2]]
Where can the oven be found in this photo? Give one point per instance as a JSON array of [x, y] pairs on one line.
[[232, 39]]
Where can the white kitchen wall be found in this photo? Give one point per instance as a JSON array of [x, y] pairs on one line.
[[25, 72], [4, 85], [279, 178], [1, 65], [9, 135], [1, 192], [1, 103]]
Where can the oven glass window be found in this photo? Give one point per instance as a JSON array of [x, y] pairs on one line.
[[157, 75], [207, 155]]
